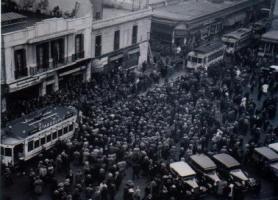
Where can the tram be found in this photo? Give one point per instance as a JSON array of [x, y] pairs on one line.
[[206, 55], [237, 40], [26, 137]]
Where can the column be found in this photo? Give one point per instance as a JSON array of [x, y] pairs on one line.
[[56, 83], [87, 73], [43, 89]]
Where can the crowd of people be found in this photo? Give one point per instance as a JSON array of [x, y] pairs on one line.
[[138, 124]]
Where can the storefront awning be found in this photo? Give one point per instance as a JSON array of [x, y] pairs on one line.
[[134, 51], [116, 57], [50, 36], [235, 19], [70, 72]]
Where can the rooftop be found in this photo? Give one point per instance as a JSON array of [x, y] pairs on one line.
[[203, 161], [267, 153], [109, 13], [227, 160], [182, 169], [30, 124], [192, 9], [212, 46], [271, 35], [17, 21]]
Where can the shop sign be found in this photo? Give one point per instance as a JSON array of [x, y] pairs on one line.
[[25, 83]]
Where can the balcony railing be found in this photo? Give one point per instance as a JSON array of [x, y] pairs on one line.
[[21, 73], [55, 64]]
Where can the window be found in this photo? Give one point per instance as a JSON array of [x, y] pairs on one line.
[[98, 16], [37, 144], [79, 46], [42, 55], [57, 51], [134, 34], [20, 63], [98, 46], [30, 146], [8, 152], [48, 138], [60, 132], [54, 135], [116, 40], [20, 59], [71, 127], [65, 130], [42, 141]]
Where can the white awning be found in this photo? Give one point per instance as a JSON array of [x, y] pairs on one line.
[[70, 72], [50, 36], [116, 57], [134, 51]]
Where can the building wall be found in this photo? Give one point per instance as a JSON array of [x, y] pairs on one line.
[[47, 28], [125, 35], [106, 29]]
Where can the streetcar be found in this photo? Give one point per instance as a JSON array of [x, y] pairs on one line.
[[26, 137], [206, 55], [237, 40]]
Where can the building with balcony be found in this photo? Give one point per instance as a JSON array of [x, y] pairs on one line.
[[42, 49], [190, 23], [120, 38]]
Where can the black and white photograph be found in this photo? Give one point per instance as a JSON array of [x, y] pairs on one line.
[[139, 100]]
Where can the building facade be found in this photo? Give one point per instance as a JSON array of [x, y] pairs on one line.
[[40, 53], [189, 23], [121, 41]]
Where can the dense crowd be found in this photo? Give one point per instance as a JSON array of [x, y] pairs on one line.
[[133, 123]]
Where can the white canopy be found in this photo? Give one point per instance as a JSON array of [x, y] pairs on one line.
[[182, 169]]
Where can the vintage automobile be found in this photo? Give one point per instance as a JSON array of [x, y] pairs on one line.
[[187, 175], [206, 171], [229, 168], [274, 146], [266, 160]]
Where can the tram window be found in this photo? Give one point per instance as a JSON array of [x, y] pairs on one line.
[[54, 135], [30, 146], [199, 60], [71, 127], [37, 143], [42, 141], [65, 130], [8, 152], [60, 132], [48, 138]]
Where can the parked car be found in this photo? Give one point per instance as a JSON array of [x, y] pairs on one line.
[[274, 146], [188, 176], [267, 160], [206, 171], [229, 168]]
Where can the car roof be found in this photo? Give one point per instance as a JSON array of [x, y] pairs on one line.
[[267, 153], [182, 169], [227, 160], [203, 161], [274, 146]]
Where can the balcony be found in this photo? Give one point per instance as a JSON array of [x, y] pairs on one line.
[[21, 73], [54, 65]]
